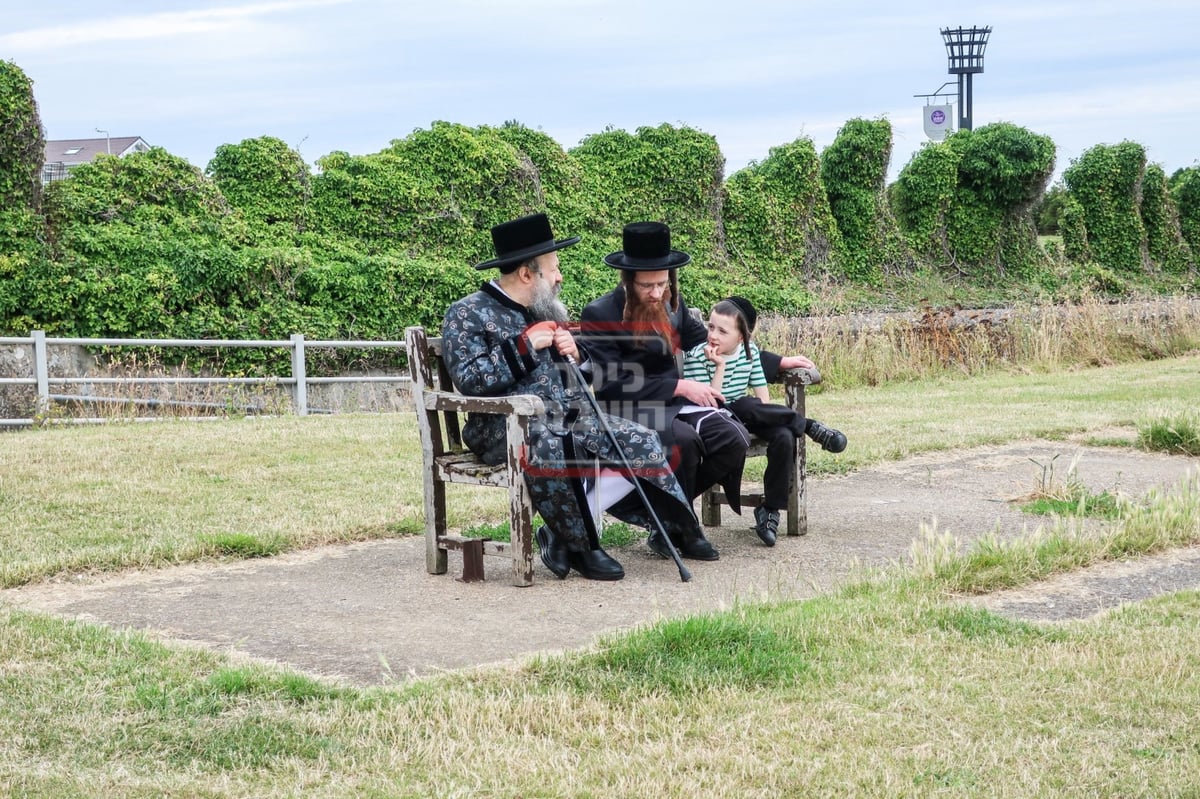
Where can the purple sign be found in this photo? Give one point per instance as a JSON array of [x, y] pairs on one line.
[[937, 117]]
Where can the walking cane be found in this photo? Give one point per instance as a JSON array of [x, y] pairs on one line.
[[684, 574]]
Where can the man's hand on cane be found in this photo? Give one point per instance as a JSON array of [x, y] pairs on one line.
[[545, 334]]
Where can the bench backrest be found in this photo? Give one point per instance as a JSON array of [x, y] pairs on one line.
[[441, 431]]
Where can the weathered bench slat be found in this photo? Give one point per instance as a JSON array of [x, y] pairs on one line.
[[455, 469], [522, 404]]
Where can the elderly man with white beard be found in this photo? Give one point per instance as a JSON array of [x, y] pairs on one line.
[[510, 338]]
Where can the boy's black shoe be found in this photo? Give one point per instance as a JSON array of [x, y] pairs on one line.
[[830, 440], [766, 524]]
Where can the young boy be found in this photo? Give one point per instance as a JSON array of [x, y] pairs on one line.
[[729, 362]]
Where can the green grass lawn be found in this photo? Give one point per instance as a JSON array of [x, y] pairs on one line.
[[891, 687], [108, 497]]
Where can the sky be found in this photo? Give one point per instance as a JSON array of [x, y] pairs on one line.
[[352, 75]]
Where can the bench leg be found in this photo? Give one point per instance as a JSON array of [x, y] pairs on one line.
[[520, 506], [435, 525], [472, 561], [797, 523], [710, 510]]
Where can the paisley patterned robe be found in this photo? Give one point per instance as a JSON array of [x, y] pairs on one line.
[[487, 354]]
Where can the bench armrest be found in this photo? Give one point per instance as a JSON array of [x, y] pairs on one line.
[[799, 377], [517, 404]]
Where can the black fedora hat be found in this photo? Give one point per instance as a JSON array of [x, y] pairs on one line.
[[647, 248], [521, 239]]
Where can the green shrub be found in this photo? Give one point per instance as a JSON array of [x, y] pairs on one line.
[[268, 182], [22, 142], [854, 173], [1003, 170], [1160, 217], [435, 192], [667, 174], [1106, 181], [924, 195], [1185, 191], [779, 229]]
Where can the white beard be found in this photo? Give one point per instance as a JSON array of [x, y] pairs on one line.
[[545, 305]]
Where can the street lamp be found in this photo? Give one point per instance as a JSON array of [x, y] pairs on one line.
[[964, 49], [107, 141]]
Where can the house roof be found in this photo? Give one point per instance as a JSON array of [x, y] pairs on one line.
[[81, 151]]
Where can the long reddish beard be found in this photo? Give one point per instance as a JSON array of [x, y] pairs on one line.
[[650, 323]]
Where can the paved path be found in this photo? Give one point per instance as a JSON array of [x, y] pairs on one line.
[[369, 614]]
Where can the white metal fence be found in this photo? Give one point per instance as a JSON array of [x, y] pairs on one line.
[[38, 373]]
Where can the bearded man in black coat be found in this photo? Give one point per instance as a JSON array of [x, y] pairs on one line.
[[635, 336]]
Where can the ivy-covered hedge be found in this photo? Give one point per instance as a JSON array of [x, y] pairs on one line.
[[923, 196], [261, 246], [433, 190], [22, 142], [1106, 181], [1185, 191], [665, 173], [967, 203], [779, 229], [269, 183], [1074, 232], [22, 147], [854, 173], [1003, 169], [1160, 218]]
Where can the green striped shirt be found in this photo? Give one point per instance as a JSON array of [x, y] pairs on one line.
[[741, 373]]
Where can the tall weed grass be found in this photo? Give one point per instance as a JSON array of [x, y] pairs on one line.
[[1164, 520], [1176, 434], [871, 350]]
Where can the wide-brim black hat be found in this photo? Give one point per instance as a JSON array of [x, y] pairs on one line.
[[521, 239], [647, 248]]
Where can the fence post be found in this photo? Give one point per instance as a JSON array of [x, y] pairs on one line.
[[300, 392], [41, 372]]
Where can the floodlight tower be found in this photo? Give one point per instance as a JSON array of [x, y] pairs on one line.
[[964, 48]]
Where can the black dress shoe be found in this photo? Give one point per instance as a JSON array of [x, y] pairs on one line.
[[658, 545], [695, 548], [698, 549], [553, 551], [766, 524], [830, 440], [596, 564]]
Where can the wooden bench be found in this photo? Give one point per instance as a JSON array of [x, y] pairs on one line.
[[446, 459]]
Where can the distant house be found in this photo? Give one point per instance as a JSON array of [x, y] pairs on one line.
[[63, 155]]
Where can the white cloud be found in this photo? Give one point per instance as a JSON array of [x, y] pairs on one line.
[[149, 27]]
